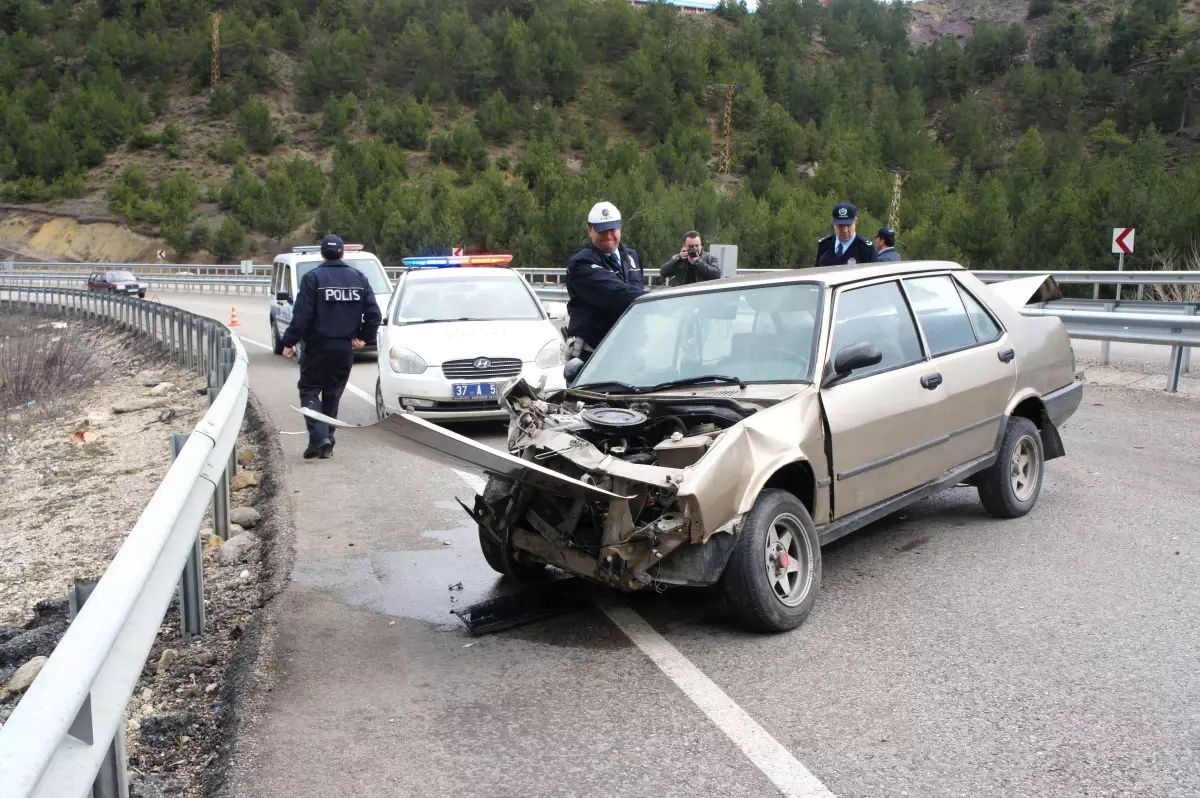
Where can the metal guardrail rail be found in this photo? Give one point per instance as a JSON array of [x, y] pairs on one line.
[[66, 736]]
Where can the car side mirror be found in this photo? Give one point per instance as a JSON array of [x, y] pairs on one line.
[[572, 369], [852, 358], [284, 296]]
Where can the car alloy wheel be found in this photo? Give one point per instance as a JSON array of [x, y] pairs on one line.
[[788, 560], [1025, 465]]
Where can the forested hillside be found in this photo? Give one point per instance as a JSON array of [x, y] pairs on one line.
[[416, 125]]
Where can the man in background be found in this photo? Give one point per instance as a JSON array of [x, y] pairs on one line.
[[885, 245], [692, 264], [845, 246]]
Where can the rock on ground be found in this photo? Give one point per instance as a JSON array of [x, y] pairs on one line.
[[245, 517], [241, 548], [25, 675]]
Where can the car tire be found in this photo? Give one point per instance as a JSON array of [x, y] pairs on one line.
[[505, 564], [380, 409], [276, 339], [1010, 487], [141, 294], [769, 592]]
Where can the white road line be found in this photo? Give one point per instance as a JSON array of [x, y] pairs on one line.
[[256, 343], [766, 753]]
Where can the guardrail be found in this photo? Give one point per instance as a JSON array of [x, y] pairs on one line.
[[66, 735]]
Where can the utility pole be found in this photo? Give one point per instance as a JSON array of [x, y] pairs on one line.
[[216, 48], [727, 155], [894, 219]]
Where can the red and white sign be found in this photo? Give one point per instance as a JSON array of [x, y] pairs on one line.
[[457, 251], [162, 253], [1122, 243]]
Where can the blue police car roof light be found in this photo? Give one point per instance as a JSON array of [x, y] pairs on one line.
[[452, 261]]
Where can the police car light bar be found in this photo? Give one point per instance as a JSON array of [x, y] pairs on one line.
[[306, 250], [457, 260]]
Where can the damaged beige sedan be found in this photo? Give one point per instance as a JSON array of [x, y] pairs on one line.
[[724, 431]]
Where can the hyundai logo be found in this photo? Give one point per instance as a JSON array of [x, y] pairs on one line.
[[482, 363]]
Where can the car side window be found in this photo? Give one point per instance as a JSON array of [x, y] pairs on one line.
[[986, 328], [877, 314], [941, 312], [287, 281]]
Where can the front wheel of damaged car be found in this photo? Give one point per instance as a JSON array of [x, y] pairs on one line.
[[506, 563], [774, 574]]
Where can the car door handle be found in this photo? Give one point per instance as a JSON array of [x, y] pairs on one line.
[[931, 381], [1006, 355]]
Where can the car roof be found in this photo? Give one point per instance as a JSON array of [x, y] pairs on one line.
[[292, 257], [446, 273], [828, 275]]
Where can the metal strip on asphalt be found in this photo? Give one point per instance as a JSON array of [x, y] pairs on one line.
[[786, 772]]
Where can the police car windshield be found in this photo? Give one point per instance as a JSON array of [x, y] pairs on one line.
[[761, 334], [465, 296], [370, 267]]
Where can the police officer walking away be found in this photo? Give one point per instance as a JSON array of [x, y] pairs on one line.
[[885, 243], [603, 278], [692, 264], [845, 246], [335, 314]]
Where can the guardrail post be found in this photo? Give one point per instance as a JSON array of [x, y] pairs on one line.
[[1104, 346], [1187, 350], [1175, 369], [112, 780], [191, 584]]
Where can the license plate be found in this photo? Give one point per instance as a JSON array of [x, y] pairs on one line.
[[473, 390]]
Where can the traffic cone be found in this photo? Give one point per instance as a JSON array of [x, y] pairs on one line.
[[233, 322]]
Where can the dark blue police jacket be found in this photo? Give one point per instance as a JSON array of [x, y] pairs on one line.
[[598, 292], [335, 304], [861, 251]]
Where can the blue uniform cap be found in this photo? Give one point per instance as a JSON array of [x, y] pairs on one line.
[[332, 247], [844, 213]]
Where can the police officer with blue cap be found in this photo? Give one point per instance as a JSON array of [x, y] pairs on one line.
[[845, 246], [335, 313]]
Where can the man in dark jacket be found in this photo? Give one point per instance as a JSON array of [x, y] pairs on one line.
[[335, 313], [885, 243], [692, 264], [603, 278], [845, 246]]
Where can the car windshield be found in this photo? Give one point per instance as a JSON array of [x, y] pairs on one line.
[[370, 267], [465, 295], [760, 334], [115, 277]]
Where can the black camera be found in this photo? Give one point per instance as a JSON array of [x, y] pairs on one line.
[[693, 251]]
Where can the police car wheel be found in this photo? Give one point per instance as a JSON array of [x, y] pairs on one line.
[[380, 409], [276, 340]]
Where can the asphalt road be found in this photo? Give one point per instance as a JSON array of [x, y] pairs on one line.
[[949, 654]]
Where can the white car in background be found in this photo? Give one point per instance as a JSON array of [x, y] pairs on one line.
[[455, 330]]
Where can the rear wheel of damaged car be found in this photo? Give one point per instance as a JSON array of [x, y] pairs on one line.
[[510, 563], [774, 573], [1010, 487]]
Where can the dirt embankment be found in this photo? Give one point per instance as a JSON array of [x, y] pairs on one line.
[[46, 236]]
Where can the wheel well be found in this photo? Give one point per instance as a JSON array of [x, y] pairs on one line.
[[1032, 409], [797, 479]]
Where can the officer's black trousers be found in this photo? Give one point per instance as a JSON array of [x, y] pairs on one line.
[[323, 376]]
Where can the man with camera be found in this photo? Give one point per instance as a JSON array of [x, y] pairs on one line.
[[692, 264]]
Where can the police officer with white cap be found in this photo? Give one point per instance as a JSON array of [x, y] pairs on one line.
[[603, 278], [845, 246], [335, 313]]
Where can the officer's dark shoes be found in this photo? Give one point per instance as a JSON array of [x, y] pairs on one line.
[[325, 448], [318, 449], [327, 453]]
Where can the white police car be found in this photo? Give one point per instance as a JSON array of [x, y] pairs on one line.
[[456, 329], [290, 267]]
